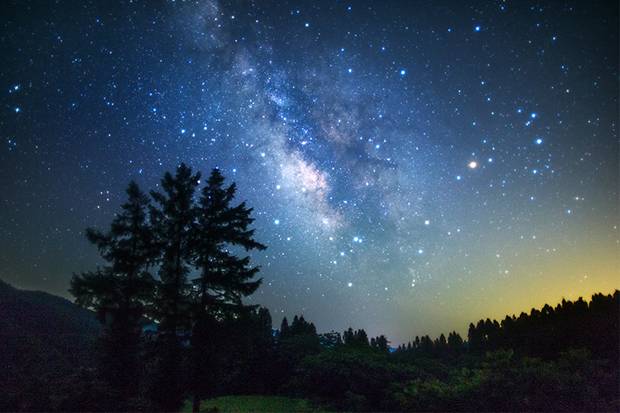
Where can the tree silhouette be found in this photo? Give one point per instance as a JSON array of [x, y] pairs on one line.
[[209, 343], [330, 340], [357, 338], [224, 278], [549, 331], [118, 292], [380, 343], [173, 220], [284, 328], [295, 342], [455, 343]]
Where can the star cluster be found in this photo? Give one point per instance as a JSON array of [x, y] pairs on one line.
[[412, 166]]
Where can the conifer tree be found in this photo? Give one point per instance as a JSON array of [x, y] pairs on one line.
[[224, 278], [173, 220], [284, 328], [119, 291], [380, 343], [455, 342]]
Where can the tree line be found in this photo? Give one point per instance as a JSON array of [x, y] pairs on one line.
[[541, 333], [177, 258]]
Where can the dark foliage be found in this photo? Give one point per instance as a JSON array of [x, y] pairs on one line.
[[223, 281], [173, 220], [546, 332], [203, 341], [118, 293], [248, 358], [293, 343]]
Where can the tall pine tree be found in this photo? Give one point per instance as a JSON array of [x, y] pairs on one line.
[[224, 278], [173, 220], [118, 293]]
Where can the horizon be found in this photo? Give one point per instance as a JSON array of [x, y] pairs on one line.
[[462, 332], [413, 167]]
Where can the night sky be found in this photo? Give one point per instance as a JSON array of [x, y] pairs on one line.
[[413, 166]]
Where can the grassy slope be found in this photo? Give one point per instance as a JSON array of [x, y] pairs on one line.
[[243, 404]]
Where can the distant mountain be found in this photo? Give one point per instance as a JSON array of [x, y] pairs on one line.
[[36, 313], [43, 338]]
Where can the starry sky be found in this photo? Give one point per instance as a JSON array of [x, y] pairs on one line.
[[413, 165]]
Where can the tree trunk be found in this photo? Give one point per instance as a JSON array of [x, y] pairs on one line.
[[195, 404]]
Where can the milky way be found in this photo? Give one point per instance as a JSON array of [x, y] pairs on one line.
[[412, 166]]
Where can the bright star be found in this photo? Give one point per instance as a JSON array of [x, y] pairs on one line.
[[472, 165]]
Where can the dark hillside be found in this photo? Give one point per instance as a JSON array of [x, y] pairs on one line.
[[43, 338]]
